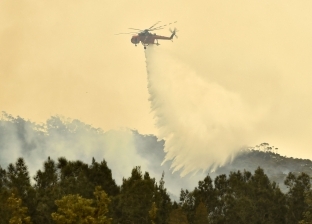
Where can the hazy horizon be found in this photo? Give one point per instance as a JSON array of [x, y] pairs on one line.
[[63, 58]]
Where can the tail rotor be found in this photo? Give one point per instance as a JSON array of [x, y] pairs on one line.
[[173, 32]]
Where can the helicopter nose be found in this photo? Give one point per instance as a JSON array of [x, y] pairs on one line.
[[134, 40]]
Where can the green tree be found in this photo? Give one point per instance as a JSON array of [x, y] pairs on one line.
[[47, 191], [73, 178], [201, 214], [74, 209], [152, 213], [47, 178], [307, 214], [205, 191], [18, 178], [3, 178], [4, 195], [254, 198], [177, 216], [221, 188], [135, 199], [102, 206], [298, 187], [206, 194], [162, 201], [240, 198], [18, 182], [187, 204], [100, 175], [19, 212]]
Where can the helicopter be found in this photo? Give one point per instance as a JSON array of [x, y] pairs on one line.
[[146, 37]]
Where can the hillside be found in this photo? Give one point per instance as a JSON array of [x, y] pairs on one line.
[[275, 166], [124, 150]]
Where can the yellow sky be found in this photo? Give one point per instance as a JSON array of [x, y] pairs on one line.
[[62, 57]]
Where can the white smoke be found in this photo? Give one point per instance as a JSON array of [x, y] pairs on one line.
[[122, 149], [72, 139], [202, 123]]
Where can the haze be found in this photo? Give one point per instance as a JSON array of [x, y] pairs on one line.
[[62, 57]]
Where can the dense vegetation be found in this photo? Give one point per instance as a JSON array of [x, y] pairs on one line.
[[75, 192], [75, 140], [275, 165], [72, 191]]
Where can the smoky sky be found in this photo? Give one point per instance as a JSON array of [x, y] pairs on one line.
[[63, 58], [58, 137], [203, 124]]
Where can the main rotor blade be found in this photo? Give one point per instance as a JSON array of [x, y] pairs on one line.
[[163, 26], [156, 29], [154, 25], [126, 33], [135, 29], [159, 27]]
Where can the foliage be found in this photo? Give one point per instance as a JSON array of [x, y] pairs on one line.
[[75, 192], [201, 214], [76, 209], [102, 202], [297, 196], [18, 178], [307, 214], [141, 200], [4, 195], [238, 198], [47, 191], [135, 198], [100, 175], [152, 213], [177, 216], [19, 213]]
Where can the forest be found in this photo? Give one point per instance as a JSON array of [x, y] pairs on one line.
[[46, 177], [65, 191]]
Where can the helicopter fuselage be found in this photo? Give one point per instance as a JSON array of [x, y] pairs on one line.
[[147, 38]]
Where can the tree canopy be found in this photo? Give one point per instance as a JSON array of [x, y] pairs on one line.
[[75, 192]]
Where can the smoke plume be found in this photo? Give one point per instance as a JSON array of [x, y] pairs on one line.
[[122, 149], [202, 123], [72, 139]]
